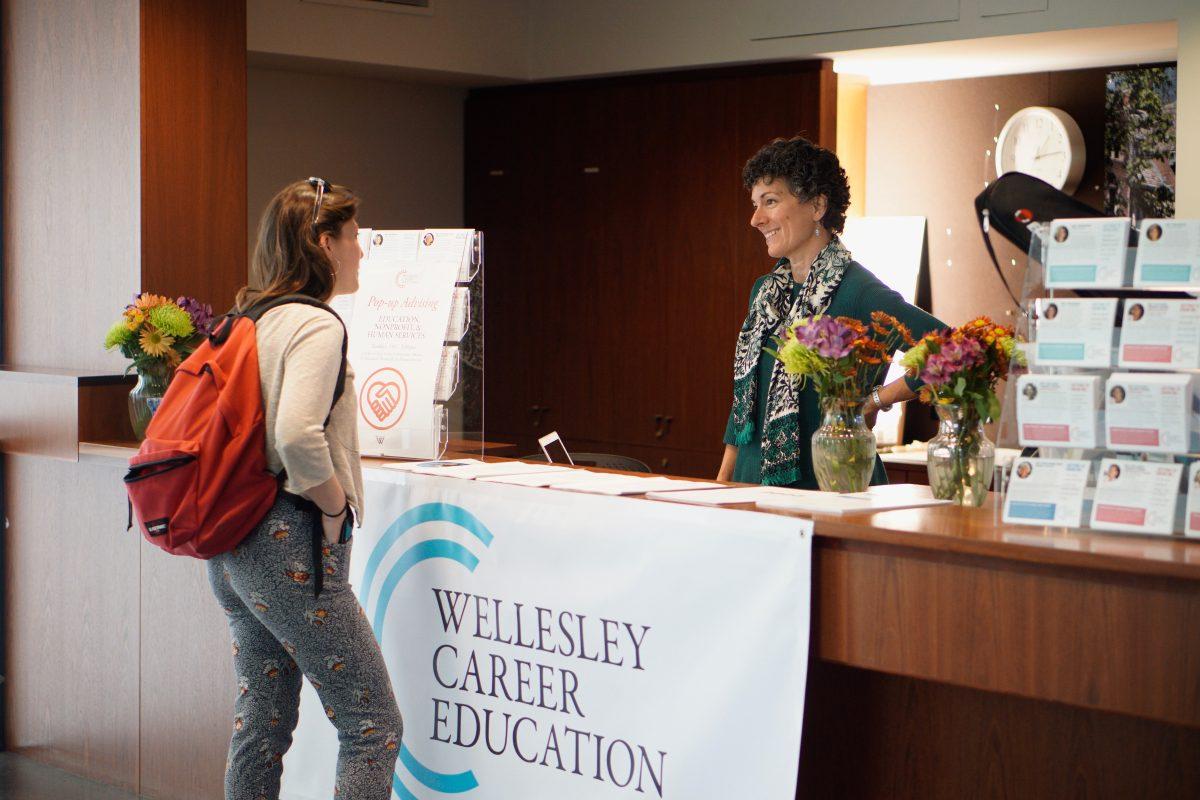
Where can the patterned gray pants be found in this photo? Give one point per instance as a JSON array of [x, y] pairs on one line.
[[280, 630]]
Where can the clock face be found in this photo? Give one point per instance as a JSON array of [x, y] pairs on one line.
[[1045, 143]]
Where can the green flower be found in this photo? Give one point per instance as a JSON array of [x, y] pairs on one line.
[[171, 320], [118, 335], [915, 358]]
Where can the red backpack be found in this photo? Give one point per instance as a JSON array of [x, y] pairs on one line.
[[200, 483]]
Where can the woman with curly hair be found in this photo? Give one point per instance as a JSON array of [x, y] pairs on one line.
[[800, 195]]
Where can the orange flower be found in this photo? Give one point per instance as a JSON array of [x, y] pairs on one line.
[[147, 301]]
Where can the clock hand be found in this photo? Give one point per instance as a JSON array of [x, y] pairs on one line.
[[1047, 155]]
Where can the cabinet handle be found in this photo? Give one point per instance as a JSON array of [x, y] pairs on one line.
[[658, 429], [666, 462], [667, 425], [536, 413]]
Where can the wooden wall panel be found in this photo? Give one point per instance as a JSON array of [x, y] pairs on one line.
[[188, 685], [193, 164], [71, 188], [870, 735], [71, 599], [926, 145], [1115, 643]]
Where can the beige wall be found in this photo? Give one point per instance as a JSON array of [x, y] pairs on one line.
[[852, 139], [460, 37], [72, 178], [397, 145], [926, 145]]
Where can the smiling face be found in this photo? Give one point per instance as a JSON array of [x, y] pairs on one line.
[[788, 224]]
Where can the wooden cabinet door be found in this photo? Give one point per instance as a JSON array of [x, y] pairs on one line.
[[503, 179], [620, 259]]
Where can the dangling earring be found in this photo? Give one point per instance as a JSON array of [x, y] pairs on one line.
[[817, 231]]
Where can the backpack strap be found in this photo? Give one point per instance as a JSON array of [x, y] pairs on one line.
[[255, 312]]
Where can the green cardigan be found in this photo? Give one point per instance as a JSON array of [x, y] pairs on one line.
[[857, 296]]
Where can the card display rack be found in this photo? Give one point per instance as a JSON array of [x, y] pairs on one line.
[[1096, 376], [459, 393]]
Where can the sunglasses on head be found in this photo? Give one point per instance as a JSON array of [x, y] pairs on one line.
[[321, 186]]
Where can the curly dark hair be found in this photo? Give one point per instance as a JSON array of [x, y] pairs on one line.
[[809, 169]]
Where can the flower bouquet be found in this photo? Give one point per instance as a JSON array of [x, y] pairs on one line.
[[156, 334], [960, 368], [842, 357]]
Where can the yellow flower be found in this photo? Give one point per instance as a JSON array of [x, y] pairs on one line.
[[133, 318], [155, 343]]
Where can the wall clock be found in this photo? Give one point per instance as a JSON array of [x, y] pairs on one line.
[[1045, 143]]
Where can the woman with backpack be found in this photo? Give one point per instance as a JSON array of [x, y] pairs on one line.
[[284, 588]]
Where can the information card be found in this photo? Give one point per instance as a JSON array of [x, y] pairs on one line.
[[1191, 521], [1149, 412], [1168, 253], [1075, 333], [1087, 253], [1160, 334], [1136, 496], [1047, 491], [1058, 410]]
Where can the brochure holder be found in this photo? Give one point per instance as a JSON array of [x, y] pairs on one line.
[[1161, 451], [416, 343]]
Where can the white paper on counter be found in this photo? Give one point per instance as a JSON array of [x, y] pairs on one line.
[[729, 496], [563, 475], [631, 484], [878, 498]]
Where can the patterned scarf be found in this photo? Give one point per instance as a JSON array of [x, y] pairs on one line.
[[771, 312]]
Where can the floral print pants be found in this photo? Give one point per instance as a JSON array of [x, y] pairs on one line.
[[281, 631]]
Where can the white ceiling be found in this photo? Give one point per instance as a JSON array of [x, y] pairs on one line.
[[1011, 55]]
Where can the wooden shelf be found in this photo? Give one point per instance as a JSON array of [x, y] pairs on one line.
[[48, 411]]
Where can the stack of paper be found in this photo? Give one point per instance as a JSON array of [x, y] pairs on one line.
[[430, 467], [612, 484], [479, 471], [877, 498], [720, 497], [559, 477]]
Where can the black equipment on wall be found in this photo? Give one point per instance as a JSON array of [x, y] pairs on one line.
[[1014, 200]]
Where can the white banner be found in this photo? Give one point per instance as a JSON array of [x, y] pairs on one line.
[[547, 644], [397, 329]]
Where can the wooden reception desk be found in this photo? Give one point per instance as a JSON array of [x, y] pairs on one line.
[[952, 657]]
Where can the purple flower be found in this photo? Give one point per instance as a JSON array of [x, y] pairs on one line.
[[954, 357], [825, 335], [201, 314]]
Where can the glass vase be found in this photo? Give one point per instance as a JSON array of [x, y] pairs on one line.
[[843, 448], [960, 457], [145, 397]]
